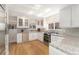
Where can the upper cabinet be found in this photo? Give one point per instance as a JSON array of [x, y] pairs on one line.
[[32, 24], [51, 26], [26, 22], [52, 22], [57, 25], [69, 16], [40, 23], [22, 22], [65, 17], [75, 16]]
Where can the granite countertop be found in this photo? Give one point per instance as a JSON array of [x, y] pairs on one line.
[[69, 44], [35, 31]]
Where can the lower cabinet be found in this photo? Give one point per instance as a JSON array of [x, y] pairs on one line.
[[12, 35], [56, 40], [55, 51], [24, 37], [19, 38], [36, 36]]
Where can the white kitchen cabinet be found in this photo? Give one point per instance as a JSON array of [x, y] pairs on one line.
[[56, 40], [65, 17], [32, 36], [40, 24], [22, 22], [40, 36], [26, 23], [55, 51], [69, 16], [12, 35], [36, 36], [75, 16], [19, 38]]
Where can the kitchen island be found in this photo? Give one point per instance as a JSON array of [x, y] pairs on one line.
[[29, 36], [33, 35], [68, 45]]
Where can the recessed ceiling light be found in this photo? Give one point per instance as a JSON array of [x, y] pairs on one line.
[[47, 10], [40, 15], [30, 12]]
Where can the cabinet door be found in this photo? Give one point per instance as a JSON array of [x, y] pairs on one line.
[[40, 24], [26, 23], [40, 36], [20, 23], [65, 17], [75, 16], [51, 26], [56, 40], [33, 36], [25, 37], [19, 38]]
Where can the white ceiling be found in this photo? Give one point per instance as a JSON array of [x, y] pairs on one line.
[[41, 10]]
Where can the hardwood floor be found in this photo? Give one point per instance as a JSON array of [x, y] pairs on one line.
[[35, 47]]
